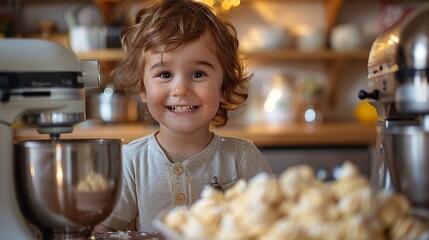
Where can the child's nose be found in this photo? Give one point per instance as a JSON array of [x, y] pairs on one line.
[[181, 89]]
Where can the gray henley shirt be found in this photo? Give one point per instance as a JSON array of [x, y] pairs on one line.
[[151, 183]]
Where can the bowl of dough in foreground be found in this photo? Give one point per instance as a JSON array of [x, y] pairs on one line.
[[296, 205]]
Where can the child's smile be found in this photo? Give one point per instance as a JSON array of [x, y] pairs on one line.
[[182, 109], [183, 86]]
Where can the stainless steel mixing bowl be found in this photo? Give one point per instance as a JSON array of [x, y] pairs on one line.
[[407, 155], [66, 187]]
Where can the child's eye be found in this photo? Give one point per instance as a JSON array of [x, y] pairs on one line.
[[165, 75], [198, 74]]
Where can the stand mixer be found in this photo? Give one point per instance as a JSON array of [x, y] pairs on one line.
[[398, 87], [43, 82]]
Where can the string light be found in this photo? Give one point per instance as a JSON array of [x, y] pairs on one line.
[[221, 5]]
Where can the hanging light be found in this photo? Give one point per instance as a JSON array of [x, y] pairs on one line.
[[221, 6]]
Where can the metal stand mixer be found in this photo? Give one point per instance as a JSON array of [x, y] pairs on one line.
[[44, 82], [398, 87]]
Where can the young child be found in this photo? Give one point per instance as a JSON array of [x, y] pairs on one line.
[[182, 60]]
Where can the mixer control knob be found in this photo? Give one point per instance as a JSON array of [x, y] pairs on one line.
[[373, 95], [4, 88]]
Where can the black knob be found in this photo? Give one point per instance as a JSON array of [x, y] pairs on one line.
[[4, 88], [373, 95], [362, 94]]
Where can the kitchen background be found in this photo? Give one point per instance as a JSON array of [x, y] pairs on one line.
[[308, 58]]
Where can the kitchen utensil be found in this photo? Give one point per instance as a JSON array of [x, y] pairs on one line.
[[66, 186], [398, 88], [88, 15], [277, 99], [311, 38], [85, 38], [264, 37], [346, 37], [111, 106], [311, 91]]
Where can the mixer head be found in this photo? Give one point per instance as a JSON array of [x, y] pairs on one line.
[[398, 84], [44, 81]]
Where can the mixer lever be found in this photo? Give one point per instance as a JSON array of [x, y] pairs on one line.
[[372, 95]]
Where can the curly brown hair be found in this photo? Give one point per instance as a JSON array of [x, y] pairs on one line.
[[172, 23]]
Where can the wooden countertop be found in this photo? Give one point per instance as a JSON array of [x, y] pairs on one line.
[[325, 134]]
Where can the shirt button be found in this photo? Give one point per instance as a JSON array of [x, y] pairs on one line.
[[180, 197], [178, 170]]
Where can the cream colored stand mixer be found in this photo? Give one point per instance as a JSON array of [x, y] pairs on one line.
[[43, 82]]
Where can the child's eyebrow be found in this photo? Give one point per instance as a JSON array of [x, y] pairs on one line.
[[204, 63], [156, 65]]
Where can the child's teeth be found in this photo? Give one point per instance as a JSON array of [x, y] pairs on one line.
[[182, 108]]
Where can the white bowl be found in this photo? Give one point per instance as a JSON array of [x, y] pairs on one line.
[[346, 37]]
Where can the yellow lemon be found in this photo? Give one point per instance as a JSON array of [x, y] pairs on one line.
[[365, 113]]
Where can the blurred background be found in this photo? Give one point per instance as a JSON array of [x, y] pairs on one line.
[[290, 45], [308, 57]]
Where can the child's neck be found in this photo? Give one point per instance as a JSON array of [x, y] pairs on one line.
[[183, 145]]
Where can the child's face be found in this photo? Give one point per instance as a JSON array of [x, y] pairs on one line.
[[183, 87]]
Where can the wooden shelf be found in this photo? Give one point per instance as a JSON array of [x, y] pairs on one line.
[[112, 54], [273, 55], [263, 135], [296, 55]]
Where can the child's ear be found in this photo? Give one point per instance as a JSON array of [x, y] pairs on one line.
[[143, 96]]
